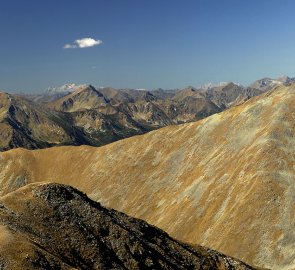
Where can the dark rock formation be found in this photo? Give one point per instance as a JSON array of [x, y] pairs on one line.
[[53, 226]]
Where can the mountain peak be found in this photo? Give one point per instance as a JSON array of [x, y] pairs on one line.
[[211, 85], [69, 87], [285, 79], [85, 97], [85, 88]]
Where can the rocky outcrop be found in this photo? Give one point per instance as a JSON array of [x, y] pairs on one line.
[[52, 226], [27, 124], [148, 108], [87, 116], [83, 98], [83, 114]]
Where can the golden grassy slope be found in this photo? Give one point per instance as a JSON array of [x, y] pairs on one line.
[[226, 182], [52, 226]]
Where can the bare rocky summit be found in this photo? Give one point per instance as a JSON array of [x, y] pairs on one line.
[[83, 98], [53, 226]]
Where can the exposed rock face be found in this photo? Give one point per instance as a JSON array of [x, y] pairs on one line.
[[27, 124], [87, 116], [228, 95], [82, 99], [75, 115], [226, 181], [118, 96], [266, 84], [52, 226], [24, 123], [149, 109]]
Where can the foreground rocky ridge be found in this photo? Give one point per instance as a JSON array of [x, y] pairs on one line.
[[226, 182], [52, 226]]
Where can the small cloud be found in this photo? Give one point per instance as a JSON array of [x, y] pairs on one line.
[[83, 43], [69, 46], [93, 67]]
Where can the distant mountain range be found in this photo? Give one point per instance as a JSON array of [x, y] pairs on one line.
[[226, 182], [53, 93], [75, 115]]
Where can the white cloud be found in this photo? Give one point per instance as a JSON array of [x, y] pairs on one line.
[[69, 46], [83, 43]]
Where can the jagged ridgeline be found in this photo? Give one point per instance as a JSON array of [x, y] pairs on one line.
[[76, 115], [53, 226], [225, 182]]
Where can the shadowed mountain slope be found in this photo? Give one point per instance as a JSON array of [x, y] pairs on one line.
[[117, 96], [24, 123], [230, 94], [149, 110], [53, 226], [85, 115], [83, 98], [226, 182]]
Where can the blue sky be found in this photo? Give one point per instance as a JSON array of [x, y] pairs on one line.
[[145, 43]]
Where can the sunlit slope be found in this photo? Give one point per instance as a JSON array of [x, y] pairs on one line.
[[52, 226], [227, 182]]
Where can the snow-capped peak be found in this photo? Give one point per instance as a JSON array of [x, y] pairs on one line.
[[69, 87]]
